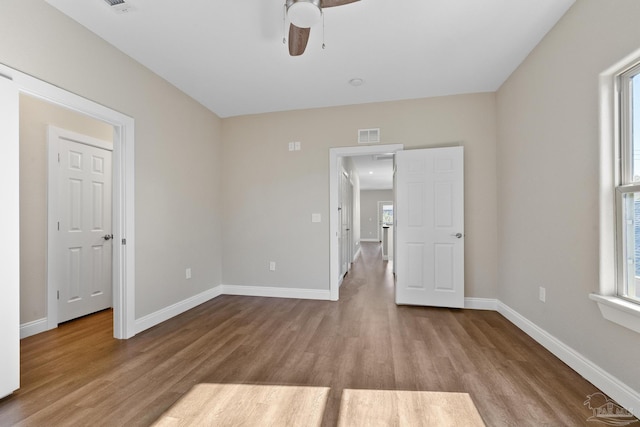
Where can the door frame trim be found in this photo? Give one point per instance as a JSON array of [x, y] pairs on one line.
[[123, 206], [334, 155]]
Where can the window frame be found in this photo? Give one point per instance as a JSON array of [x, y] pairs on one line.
[[624, 183], [612, 307]]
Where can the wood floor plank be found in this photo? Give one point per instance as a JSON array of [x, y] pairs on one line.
[[247, 405], [368, 408], [79, 375]]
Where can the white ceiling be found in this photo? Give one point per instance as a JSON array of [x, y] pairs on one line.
[[374, 173], [229, 54]]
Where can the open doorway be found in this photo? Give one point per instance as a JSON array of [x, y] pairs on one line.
[[356, 156], [58, 284], [123, 187]]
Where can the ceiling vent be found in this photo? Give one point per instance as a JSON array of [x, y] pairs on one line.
[[368, 136], [384, 156], [120, 6]]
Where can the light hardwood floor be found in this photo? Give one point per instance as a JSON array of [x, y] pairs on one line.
[[78, 375]]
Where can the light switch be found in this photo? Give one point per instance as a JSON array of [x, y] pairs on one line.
[[297, 145], [316, 217]]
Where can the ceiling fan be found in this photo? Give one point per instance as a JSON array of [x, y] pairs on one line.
[[303, 14]]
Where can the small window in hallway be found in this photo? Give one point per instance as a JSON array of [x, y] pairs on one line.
[[387, 214]]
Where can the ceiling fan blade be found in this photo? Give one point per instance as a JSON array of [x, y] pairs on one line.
[[332, 3], [298, 38]]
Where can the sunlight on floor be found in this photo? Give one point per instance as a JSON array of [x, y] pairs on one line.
[[275, 405], [247, 405], [407, 408]]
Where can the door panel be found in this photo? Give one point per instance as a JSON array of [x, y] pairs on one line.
[[443, 267], [84, 213], [414, 268], [430, 227], [10, 241]]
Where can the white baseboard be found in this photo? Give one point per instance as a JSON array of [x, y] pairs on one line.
[[34, 327], [167, 313], [481, 303], [358, 252], [267, 291], [612, 386], [370, 240]]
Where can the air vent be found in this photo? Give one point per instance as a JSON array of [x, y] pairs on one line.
[[384, 156], [120, 6], [368, 136]]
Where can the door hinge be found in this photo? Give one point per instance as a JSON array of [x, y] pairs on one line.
[[58, 225], [124, 241], [58, 294], [58, 157]]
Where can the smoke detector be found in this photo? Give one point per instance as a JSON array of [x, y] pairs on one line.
[[120, 6]]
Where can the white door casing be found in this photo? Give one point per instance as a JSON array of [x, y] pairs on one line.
[[429, 217], [124, 325], [10, 241], [335, 157], [346, 203], [80, 246]]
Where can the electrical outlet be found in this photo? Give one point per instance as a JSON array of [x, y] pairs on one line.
[[272, 266], [542, 294], [187, 273]]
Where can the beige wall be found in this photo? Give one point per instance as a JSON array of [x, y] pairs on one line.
[[274, 191], [548, 182], [178, 183], [35, 115], [369, 227]]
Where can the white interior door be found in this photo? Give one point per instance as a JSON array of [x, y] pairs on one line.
[[429, 213], [10, 241], [82, 254]]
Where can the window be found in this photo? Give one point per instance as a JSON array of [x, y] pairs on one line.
[[618, 296], [387, 215], [628, 186]]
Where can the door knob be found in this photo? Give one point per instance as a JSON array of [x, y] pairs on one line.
[[457, 235], [107, 236]]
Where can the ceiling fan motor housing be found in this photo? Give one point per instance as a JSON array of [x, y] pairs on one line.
[[304, 13]]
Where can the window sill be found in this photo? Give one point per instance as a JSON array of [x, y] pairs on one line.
[[619, 311]]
